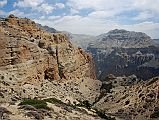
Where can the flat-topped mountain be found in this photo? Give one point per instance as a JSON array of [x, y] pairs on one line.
[[122, 39], [122, 52]]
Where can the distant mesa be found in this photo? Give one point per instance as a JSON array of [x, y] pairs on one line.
[[122, 52]]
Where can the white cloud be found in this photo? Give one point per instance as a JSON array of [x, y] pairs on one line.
[[147, 5], [39, 5], [144, 16], [115, 4], [54, 17], [103, 14], [42, 17], [87, 25], [17, 13], [143, 26], [73, 11], [150, 28], [114, 7], [79, 24], [60, 5], [28, 3], [45, 7], [99, 4], [3, 3], [36, 5], [117, 10]]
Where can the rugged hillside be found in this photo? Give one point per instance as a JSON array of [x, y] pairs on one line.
[[48, 56], [31, 58], [36, 64], [44, 76], [122, 52], [130, 99]]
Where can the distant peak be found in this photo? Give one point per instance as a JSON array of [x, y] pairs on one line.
[[118, 31]]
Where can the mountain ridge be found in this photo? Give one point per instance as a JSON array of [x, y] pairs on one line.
[[129, 52], [123, 38]]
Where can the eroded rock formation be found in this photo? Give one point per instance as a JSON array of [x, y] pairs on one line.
[[31, 54]]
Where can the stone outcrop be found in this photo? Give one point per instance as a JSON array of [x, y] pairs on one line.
[[30, 54]]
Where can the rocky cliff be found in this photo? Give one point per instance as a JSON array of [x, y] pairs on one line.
[[36, 64], [122, 39], [30, 53], [31, 58]]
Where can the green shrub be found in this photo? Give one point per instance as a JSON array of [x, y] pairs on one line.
[[39, 104], [85, 104], [2, 77], [155, 114]]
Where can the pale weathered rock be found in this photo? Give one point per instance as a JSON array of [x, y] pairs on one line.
[[53, 57], [32, 61]]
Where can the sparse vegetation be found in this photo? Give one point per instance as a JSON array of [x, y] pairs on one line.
[[42, 104], [39, 104], [155, 114], [2, 77], [102, 114], [85, 104]]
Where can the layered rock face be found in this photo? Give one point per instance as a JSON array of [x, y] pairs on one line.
[[122, 52], [38, 65], [122, 39], [31, 54]]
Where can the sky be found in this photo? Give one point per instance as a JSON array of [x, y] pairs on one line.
[[92, 17]]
